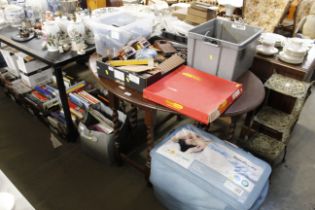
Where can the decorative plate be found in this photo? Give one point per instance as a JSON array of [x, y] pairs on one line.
[[18, 38]]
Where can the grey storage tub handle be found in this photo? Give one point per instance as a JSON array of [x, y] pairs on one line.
[[90, 138], [210, 41], [84, 132]]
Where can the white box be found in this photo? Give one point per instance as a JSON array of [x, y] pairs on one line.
[[10, 61], [38, 77], [23, 62], [30, 67]]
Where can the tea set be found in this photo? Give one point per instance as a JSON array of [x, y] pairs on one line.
[[59, 33], [64, 33], [294, 50]]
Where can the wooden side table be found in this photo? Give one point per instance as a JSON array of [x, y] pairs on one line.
[[252, 97]]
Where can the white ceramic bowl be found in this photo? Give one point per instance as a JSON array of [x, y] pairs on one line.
[[278, 39], [266, 50], [294, 54], [289, 59], [306, 43]]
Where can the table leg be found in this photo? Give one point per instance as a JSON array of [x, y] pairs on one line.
[[231, 134], [249, 118], [114, 103], [133, 116], [149, 120], [72, 133], [202, 126]]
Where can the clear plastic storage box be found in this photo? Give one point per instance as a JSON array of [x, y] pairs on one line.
[[114, 30]]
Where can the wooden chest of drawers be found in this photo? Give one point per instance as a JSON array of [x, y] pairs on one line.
[[264, 67]]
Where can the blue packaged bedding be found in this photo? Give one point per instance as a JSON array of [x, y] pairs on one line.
[[194, 170]]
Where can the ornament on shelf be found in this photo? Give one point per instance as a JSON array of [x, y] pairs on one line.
[[76, 32]]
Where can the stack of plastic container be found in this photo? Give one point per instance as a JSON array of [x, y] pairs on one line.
[[114, 29]]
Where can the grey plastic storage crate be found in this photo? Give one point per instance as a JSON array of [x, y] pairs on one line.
[[223, 48]]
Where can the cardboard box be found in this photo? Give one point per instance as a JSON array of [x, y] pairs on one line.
[[200, 6], [180, 13], [39, 77], [138, 81], [195, 19], [30, 67], [196, 94], [203, 14], [133, 80]]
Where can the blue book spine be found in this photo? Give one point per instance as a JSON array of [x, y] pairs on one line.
[[83, 101], [44, 92], [52, 90], [74, 99]]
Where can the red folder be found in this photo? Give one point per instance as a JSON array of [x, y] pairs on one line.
[[196, 94]]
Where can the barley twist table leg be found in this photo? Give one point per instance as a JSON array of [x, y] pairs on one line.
[[114, 102], [149, 117]]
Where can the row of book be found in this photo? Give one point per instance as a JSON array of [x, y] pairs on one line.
[[44, 99]]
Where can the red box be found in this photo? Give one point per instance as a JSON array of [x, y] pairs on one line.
[[196, 94]]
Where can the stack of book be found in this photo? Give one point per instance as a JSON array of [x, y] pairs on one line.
[[57, 122], [83, 99], [43, 97], [80, 101], [104, 124]]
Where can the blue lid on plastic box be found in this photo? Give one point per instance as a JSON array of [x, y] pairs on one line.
[[192, 169]]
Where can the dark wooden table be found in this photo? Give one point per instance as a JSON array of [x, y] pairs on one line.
[[251, 98], [56, 60]]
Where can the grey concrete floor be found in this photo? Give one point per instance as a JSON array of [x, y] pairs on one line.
[[66, 179]]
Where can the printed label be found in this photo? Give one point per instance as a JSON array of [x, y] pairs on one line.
[[127, 93], [233, 188], [236, 94], [174, 105], [229, 163], [239, 26], [134, 79], [171, 150], [214, 115], [119, 75], [115, 34], [223, 106], [189, 75]]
